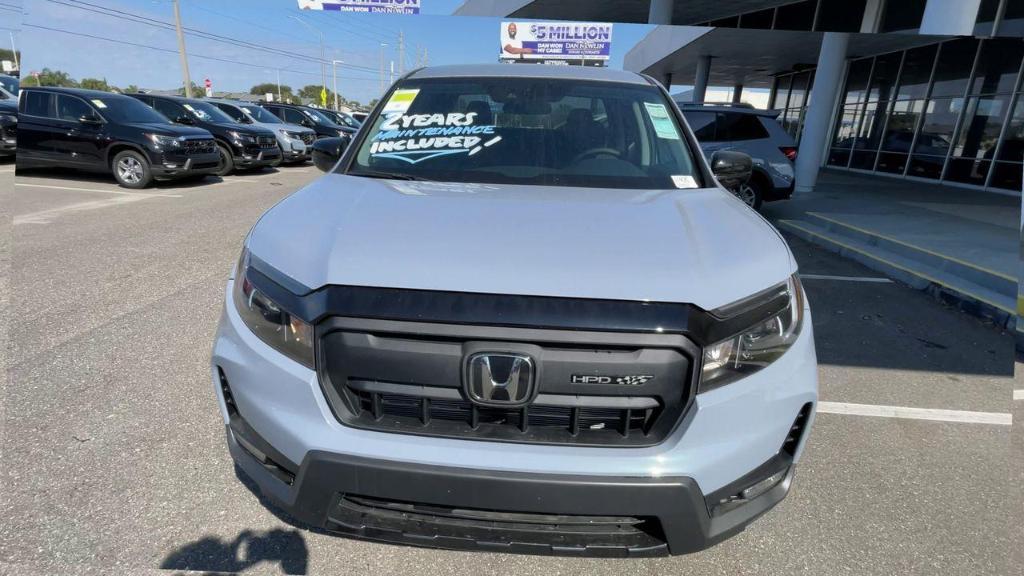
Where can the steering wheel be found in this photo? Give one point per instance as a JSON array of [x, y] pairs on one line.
[[596, 152]]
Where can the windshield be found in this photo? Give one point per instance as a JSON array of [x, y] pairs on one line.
[[10, 83], [261, 115], [208, 112], [529, 131], [124, 110], [318, 117]]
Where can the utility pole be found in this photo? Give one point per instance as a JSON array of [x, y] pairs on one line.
[[323, 61], [334, 68], [382, 46], [278, 84], [401, 52], [14, 51], [426, 58], [391, 78], [181, 51]]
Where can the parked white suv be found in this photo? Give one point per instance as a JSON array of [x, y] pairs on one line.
[[519, 314]]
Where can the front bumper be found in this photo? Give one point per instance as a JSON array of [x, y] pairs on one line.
[[252, 157], [169, 165], [728, 434], [8, 139]]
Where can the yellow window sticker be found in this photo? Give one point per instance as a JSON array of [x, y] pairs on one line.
[[664, 127], [401, 100], [98, 103]]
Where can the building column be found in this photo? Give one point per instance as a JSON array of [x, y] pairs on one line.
[[700, 82], [737, 93], [950, 17], [820, 106], [666, 81], [660, 12], [872, 16]]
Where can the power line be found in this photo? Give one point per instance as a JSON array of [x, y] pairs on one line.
[[138, 19], [200, 56]]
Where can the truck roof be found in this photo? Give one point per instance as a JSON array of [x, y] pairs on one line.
[[530, 71]]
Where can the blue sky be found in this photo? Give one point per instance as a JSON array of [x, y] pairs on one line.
[[353, 38]]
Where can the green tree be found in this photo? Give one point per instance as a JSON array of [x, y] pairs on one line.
[[372, 104], [197, 91], [131, 89], [312, 91], [261, 89], [48, 77], [96, 84]]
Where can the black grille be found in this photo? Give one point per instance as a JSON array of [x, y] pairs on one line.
[[609, 424], [470, 528], [411, 382], [200, 146], [266, 141], [10, 131], [308, 137]]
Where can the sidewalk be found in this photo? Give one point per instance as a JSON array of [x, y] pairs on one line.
[[958, 244]]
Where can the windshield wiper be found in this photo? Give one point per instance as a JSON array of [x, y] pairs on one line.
[[389, 176]]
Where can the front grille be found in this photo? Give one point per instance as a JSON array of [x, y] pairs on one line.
[[470, 528], [411, 382], [200, 146], [598, 424], [266, 141], [308, 137]]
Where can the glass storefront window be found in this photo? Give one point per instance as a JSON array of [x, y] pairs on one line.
[[845, 16], [883, 78], [869, 134], [857, 80], [899, 134], [847, 127], [953, 70], [979, 133], [798, 93], [998, 66], [936, 133], [917, 71], [797, 16], [902, 15], [1012, 149], [781, 92]]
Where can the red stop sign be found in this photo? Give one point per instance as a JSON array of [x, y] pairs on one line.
[[208, 83]]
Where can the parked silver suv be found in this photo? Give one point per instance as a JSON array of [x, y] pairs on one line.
[[755, 132], [296, 142]]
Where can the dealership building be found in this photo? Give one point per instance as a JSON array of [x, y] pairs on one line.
[[881, 86]]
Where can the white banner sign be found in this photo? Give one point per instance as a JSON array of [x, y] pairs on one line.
[[587, 43], [365, 6]]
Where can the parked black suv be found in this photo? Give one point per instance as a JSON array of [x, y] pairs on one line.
[[240, 146], [308, 117], [8, 124], [104, 132]]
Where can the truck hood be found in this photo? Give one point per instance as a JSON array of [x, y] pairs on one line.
[[168, 129], [702, 247]]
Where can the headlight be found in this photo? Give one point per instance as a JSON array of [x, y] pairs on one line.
[[165, 141], [268, 321], [289, 134], [240, 137], [758, 345]]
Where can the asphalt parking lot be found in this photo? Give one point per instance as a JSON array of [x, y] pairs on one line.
[[114, 459]]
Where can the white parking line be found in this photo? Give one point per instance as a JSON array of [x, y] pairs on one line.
[[47, 216], [963, 416], [96, 190], [845, 278], [1018, 394]]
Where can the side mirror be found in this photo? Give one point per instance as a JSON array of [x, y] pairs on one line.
[[90, 118], [732, 169], [327, 152], [184, 119]]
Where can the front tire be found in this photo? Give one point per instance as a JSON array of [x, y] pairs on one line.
[[752, 193], [131, 170], [227, 162]]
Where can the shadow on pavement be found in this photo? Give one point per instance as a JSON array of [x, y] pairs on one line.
[[284, 547], [81, 177]]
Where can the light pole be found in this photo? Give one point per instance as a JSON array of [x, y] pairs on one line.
[[14, 51], [334, 70], [323, 68], [382, 46]]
